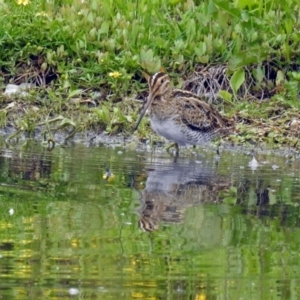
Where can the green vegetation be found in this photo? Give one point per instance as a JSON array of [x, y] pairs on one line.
[[88, 60]]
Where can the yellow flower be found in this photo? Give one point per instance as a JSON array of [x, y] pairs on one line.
[[41, 14], [23, 2], [109, 177], [114, 74]]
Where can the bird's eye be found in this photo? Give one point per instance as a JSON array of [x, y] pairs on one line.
[[162, 81]]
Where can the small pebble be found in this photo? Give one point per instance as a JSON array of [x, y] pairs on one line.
[[73, 291], [253, 164]]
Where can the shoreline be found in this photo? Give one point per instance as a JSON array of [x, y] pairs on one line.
[[90, 138]]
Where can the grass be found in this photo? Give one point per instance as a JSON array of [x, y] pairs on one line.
[[86, 57]]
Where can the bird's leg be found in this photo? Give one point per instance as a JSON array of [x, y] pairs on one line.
[[173, 145], [176, 149], [170, 146], [151, 142], [218, 147]]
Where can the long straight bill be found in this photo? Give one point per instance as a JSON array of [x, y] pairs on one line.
[[149, 99]]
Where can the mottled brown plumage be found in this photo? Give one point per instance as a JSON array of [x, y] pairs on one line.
[[182, 116]]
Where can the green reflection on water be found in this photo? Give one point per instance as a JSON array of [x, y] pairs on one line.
[[219, 231]]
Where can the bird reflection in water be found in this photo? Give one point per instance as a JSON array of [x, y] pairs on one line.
[[172, 188]]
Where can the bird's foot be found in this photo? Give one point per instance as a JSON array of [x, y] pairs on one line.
[[175, 145], [167, 148]]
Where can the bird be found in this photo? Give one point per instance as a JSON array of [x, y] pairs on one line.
[[182, 116], [172, 187]]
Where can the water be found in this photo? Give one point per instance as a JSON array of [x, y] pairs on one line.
[[197, 228]]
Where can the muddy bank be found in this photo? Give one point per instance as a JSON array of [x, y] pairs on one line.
[[91, 138]]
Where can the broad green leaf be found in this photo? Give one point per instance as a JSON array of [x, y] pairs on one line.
[[93, 32], [248, 57], [129, 118], [279, 77], [237, 79], [74, 93], [149, 62], [105, 112], [211, 8], [94, 5], [104, 28], [146, 55], [226, 6], [225, 95], [66, 122], [258, 73], [91, 17], [199, 51], [203, 59], [295, 75], [191, 30], [246, 3], [289, 26]]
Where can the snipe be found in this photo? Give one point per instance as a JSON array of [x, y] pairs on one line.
[[182, 116]]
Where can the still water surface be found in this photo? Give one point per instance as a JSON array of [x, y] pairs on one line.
[[196, 228]]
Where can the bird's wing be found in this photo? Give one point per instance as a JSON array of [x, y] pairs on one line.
[[197, 114]]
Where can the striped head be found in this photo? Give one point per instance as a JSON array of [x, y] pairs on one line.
[[159, 85]]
